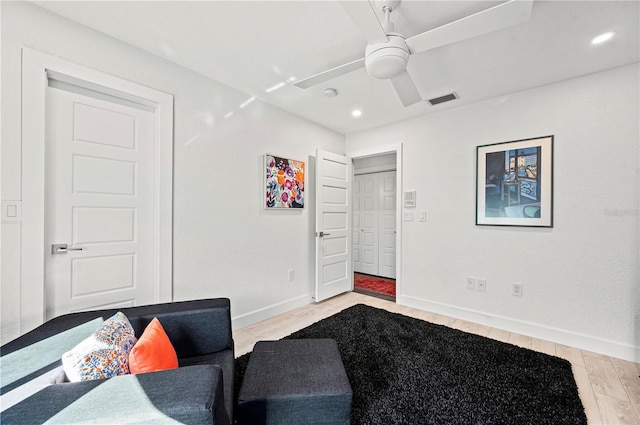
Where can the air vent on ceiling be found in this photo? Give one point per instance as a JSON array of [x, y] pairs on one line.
[[442, 99]]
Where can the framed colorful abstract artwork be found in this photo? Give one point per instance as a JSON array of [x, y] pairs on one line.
[[284, 182], [515, 183]]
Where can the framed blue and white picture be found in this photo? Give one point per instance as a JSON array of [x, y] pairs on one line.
[[514, 183]]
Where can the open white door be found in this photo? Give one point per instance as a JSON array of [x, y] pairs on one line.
[[334, 274]]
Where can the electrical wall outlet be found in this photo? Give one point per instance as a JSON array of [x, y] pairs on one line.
[[292, 274], [516, 289], [471, 283], [481, 284]]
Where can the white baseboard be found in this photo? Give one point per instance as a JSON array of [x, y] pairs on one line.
[[264, 313], [573, 339]]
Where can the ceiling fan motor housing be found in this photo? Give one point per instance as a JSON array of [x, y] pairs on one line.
[[386, 60]]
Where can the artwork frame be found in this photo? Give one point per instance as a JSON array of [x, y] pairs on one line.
[[284, 182], [514, 183]]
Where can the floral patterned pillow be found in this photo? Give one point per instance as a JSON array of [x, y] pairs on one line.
[[104, 354]]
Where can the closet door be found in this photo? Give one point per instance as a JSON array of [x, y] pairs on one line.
[[368, 221], [357, 224], [387, 225]]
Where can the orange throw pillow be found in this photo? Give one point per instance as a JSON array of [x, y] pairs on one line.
[[153, 351]]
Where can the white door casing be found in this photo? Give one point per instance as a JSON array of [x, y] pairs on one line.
[[36, 67], [334, 273], [396, 149], [99, 201]]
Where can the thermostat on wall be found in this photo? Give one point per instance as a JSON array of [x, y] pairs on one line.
[[409, 199]]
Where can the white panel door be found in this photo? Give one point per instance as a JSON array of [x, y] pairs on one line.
[[334, 273], [100, 202], [357, 224], [369, 228], [387, 225], [374, 219]]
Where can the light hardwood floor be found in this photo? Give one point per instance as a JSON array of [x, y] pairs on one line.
[[609, 387]]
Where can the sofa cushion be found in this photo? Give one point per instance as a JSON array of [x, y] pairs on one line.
[[103, 354], [194, 327], [189, 395], [153, 351]]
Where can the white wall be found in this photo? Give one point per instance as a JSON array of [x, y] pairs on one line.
[[580, 277], [225, 244]]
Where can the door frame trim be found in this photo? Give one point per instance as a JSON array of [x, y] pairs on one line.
[[35, 66], [380, 150]]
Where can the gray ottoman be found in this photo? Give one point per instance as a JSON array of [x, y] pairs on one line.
[[296, 381]]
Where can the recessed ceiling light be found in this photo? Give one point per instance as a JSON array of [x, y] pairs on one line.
[[356, 113], [603, 37]]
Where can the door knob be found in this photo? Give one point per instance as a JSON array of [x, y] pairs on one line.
[[61, 248]]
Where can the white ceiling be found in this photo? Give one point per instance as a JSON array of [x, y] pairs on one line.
[[254, 45]]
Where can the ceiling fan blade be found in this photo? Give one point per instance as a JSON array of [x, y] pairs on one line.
[[505, 15], [330, 74], [406, 89], [364, 16]]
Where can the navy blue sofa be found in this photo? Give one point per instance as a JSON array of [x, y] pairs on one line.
[[200, 391]]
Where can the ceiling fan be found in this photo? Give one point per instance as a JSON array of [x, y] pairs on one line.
[[387, 52]]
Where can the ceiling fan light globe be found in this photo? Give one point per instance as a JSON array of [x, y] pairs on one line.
[[385, 66], [386, 60]]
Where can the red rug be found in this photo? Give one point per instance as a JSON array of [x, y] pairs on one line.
[[376, 284]]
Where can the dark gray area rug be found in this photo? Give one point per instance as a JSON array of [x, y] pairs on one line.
[[407, 371]]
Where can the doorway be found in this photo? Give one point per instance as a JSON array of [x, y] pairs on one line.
[[374, 225], [37, 70]]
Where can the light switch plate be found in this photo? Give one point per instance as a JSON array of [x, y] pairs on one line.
[[11, 211], [407, 215]]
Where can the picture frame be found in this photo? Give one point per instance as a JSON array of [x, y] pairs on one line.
[[514, 183], [284, 182]]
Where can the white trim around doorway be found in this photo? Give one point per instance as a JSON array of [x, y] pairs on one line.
[[35, 66], [381, 150]]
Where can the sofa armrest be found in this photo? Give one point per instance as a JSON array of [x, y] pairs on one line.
[[191, 395]]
